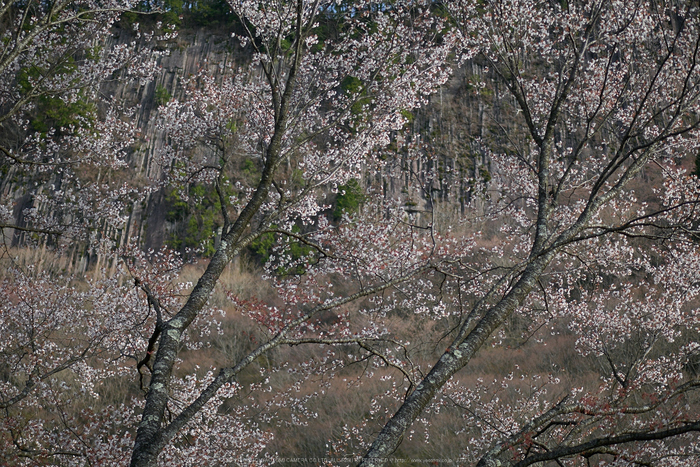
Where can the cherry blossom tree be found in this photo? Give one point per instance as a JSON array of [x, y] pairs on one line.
[[55, 60], [588, 225], [314, 107], [308, 111], [606, 92], [61, 145]]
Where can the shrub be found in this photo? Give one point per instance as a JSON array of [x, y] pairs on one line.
[[350, 198]]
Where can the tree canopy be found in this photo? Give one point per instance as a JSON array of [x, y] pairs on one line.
[[576, 230]]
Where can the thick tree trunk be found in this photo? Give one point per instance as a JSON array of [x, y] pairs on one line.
[[149, 436]]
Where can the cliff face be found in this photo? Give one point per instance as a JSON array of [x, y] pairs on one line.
[[437, 170], [190, 53]]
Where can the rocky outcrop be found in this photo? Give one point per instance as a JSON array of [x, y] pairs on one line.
[[437, 170]]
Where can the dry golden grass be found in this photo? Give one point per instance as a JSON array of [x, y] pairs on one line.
[[345, 399]]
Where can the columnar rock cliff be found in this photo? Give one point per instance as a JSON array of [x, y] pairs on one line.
[[436, 169]]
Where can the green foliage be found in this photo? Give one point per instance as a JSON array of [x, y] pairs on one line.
[[177, 207], [358, 106], [249, 172], [127, 19], [52, 112], [209, 12], [286, 44], [261, 249], [179, 13], [162, 96], [485, 174], [323, 33], [169, 13], [297, 177], [408, 116], [248, 168], [196, 219], [172, 12], [351, 85], [350, 198]]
